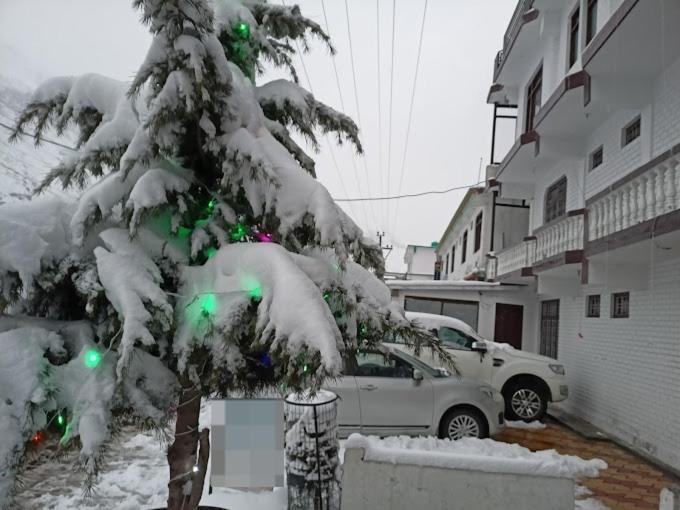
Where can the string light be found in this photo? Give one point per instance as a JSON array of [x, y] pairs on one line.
[[60, 420], [38, 437], [92, 358], [238, 232], [195, 469], [242, 30]]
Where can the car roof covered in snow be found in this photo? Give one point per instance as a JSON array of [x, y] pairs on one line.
[[432, 321]]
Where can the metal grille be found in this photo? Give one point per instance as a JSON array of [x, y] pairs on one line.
[[620, 305], [593, 306], [312, 462], [631, 131], [550, 319]]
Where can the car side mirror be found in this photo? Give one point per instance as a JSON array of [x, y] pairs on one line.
[[417, 375], [479, 347]]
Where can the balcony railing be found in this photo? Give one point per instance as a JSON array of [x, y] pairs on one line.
[[650, 192], [559, 236], [515, 258], [513, 29]]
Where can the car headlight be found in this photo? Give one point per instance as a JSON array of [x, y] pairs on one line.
[[487, 390], [558, 369]]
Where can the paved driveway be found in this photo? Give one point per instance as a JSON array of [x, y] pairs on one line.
[[630, 483]]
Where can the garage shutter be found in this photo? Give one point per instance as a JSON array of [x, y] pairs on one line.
[[467, 311]]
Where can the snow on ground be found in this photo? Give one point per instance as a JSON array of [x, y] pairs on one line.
[[137, 474], [532, 425]]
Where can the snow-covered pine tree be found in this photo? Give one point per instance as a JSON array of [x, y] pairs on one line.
[[203, 257]]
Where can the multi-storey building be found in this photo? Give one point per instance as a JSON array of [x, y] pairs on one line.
[[596, 89], [420, 262]]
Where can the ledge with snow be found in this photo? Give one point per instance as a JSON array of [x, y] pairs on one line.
[[406, 473]]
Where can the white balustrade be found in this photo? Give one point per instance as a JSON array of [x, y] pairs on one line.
[[645, 197], [513, 258], [491, 268], [565, 235]]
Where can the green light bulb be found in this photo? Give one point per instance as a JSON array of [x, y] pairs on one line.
[[210, 252], [208, 304], [326, 295], [60, 420], [92, 358], [211, 205], [238, 232], [242, 30], [305, 368]]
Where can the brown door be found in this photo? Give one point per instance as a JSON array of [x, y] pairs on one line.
[[508, 327], [550, 327]]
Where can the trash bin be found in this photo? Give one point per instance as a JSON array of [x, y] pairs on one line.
[[311, 446]]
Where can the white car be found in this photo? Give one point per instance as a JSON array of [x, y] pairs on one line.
[[527, 381]]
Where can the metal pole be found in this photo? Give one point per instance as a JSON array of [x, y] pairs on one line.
[[318, 459], [493, 134]]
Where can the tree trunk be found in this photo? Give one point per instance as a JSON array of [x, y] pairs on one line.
[[186, 485]]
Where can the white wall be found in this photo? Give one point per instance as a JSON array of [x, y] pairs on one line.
[[368, 485], [624, 374], [666, 110], [420, 260]]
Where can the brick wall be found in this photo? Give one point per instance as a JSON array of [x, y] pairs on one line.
[[624, 374]]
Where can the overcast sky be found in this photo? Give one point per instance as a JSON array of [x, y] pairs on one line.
[[451, 125]]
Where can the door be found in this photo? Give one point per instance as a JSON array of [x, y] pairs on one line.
[[508, 328], [349, 412], [391, 400], [550, 326]]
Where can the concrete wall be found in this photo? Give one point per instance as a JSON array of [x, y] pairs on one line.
[[369, 485], [420, 260], [624, 374]]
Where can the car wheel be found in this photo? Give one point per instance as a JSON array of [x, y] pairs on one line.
[[525, 401], [463, 422]]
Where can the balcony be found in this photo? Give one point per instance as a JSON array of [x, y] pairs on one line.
[[559, 242], [512, 265], [642, 205], [524, 14]]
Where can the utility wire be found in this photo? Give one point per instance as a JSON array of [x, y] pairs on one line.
[[389, 136], [410, 111], [330, 145], [356, 98], [377, 32], [47, 140], [411, 195]]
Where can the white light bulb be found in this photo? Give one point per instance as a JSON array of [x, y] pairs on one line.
[[195, 469]]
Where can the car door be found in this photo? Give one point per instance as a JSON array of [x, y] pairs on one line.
[[391, 401], [349, 411]]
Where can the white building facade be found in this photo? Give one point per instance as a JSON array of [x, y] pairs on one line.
[[596, 86], [420, 262]]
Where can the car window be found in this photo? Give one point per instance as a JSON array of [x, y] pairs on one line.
[[454, 339], [379, 364]]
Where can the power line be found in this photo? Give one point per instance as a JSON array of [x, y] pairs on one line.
[[410, 110], [389, 136], [342, 105], [10, 128], [330, 146], [356, 99], [411, 195], [378, 68]]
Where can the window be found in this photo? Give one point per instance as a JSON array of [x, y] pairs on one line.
[[630, 132], [455, 339], [620, 305], [556, 200], [463, 253], [453, 257], [596, 157], [446, 269], [478, 232], [533, 99], [573, 36], [593, 306], [591, 21], [379, 364]]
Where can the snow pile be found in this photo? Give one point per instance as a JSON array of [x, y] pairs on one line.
[[532, 425], [474, 454]]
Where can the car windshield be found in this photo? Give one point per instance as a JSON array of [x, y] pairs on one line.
[[423, 367]]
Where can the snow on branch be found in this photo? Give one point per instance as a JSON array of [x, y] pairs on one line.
[[292, 317], [291, 105], [132, 282]]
